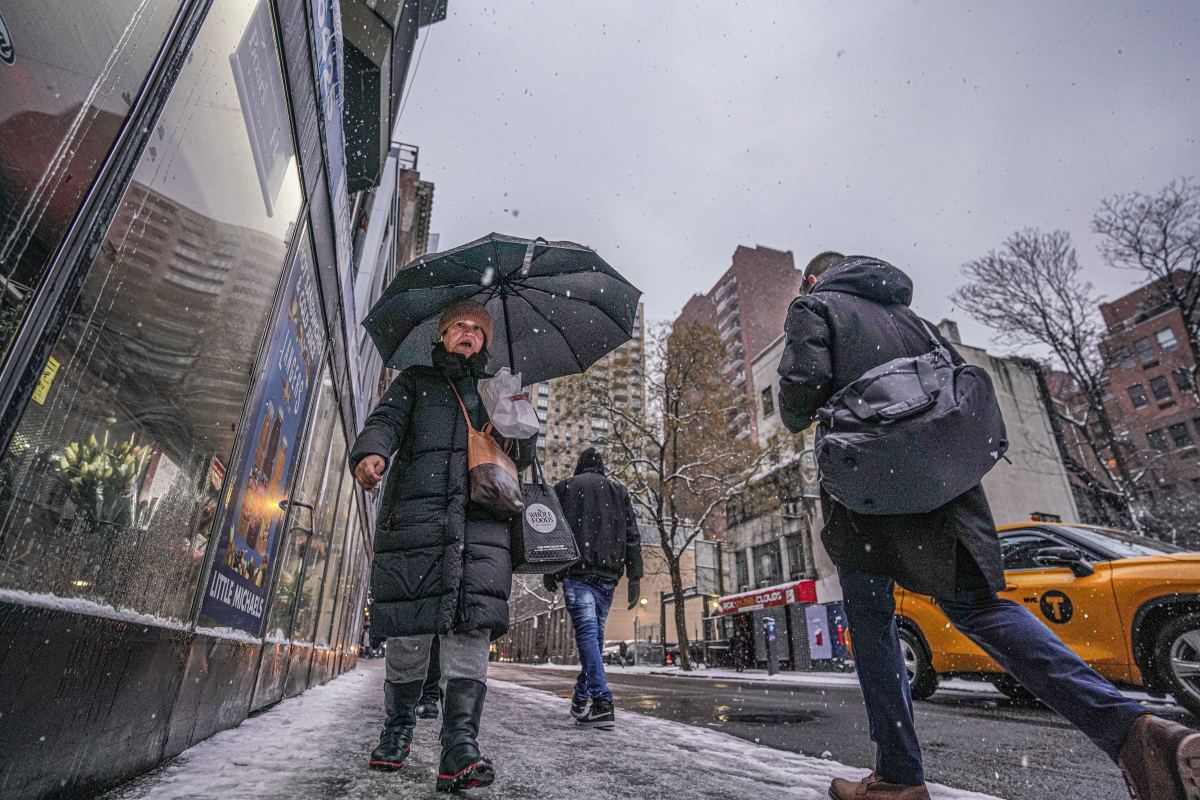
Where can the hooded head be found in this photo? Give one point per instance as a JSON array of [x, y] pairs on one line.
[[590, 460], [866, 277]]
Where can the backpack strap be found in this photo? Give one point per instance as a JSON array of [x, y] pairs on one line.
[[934, 340]]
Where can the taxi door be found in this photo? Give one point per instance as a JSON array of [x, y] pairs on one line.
[[1080, 609]]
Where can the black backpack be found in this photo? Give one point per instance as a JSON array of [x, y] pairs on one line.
[[910, 435]]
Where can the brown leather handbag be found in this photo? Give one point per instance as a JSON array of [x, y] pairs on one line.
[[491, 473]]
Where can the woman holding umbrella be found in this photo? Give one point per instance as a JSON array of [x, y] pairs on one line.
[[442, 565]]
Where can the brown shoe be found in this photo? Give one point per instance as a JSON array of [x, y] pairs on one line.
[[1161, 760], [874, 787]]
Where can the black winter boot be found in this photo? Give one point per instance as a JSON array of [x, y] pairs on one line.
[[400, 702], [462, 766]]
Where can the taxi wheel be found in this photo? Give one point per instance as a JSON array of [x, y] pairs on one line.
[[1177, 651], [922, 680]]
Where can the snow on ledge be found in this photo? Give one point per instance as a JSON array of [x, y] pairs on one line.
[[80, 605], [221, 632]]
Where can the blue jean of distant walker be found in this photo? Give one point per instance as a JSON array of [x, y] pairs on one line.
[[588, 603], [1007, 632]]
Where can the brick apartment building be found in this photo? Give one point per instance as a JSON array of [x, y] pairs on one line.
[[1150, 386], [747, 306], [1151, 403]]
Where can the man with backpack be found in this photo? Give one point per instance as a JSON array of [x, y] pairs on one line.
[[851, 318], [600, 513]]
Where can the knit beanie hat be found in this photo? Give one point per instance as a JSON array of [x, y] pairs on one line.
[[468, 310]]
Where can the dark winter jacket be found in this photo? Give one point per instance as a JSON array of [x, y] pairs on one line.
[[600, 513], [441, 564], [856, 317]]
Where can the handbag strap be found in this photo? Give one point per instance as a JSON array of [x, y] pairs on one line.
[[487, 429], [536, 467]]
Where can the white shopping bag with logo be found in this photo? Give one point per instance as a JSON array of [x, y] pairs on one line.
[[512, 419]]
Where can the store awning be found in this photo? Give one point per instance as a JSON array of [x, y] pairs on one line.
[[779, 595]]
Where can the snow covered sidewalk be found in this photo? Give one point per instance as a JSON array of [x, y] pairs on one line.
[[316, 745]]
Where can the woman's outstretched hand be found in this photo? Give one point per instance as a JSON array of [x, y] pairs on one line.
[[369, 472]]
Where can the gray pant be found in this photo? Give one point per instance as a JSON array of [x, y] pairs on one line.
[[463, 655]]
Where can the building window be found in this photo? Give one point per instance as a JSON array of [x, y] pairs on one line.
[[1183, 379], [768, 402], [1137, 393], [743, 570], [1122, 358], [795, 554], [1156, 440], [1166, 339], [1146, 352], [1180, 436], [768, 565], [1161, 388], [115, 474]]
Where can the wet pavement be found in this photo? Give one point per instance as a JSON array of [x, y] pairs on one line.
[[972, 740]]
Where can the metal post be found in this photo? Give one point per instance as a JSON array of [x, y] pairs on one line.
[[662, 621], [772, 646]]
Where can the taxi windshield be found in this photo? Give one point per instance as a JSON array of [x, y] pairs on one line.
[[1124, 545]]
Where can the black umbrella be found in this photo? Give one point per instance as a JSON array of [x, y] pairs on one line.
[[556, 307]]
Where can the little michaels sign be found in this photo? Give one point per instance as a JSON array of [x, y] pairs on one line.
[[770, 597]]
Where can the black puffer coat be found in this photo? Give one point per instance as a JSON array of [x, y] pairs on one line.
[[441, 565], [601, 515], [855, 318]]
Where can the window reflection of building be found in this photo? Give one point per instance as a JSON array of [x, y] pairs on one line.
[[154, 362]]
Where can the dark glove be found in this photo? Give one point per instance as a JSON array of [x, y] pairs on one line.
[[551, 583], [635, 592]]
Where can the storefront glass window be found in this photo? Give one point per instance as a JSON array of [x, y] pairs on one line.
[[300, 520], [333, 576], [317, 550], [111, 484], [70, 74], [346, 589]]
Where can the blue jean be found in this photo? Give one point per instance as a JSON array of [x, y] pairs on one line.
[[1024, 647], [588, 603]]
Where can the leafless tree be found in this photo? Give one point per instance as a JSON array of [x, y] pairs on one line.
[[681, 460], [1159, 236], [1032, 294]]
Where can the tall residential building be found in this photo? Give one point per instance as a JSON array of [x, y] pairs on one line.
[[569, 407], [747, 306]]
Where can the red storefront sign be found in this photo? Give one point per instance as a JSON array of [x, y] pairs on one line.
[[770, 597]]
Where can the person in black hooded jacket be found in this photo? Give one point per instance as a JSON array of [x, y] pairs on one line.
[[852, 316], [600, 514], [441, 566]]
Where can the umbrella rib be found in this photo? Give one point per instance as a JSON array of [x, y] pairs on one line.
[[554, 325], [614, 321]]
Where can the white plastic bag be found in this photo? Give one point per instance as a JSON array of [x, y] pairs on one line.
[[512, 419]]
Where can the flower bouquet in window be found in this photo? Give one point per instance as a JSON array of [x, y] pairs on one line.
[[102, 479]]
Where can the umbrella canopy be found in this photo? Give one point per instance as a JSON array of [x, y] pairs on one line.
[[556, 307]]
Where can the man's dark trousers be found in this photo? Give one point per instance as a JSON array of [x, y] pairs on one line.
[[1007, 632]]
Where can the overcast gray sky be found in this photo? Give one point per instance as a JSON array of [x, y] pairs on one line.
[[664, 134]]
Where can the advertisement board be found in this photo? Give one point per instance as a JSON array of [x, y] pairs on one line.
[[252, 520], [819, 644]]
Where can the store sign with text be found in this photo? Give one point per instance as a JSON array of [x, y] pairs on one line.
[[252, 522], [770, 597]]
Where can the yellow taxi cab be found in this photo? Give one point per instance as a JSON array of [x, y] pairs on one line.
[[1129, 606]]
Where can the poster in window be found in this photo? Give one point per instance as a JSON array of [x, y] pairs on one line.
[[252, 522]]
